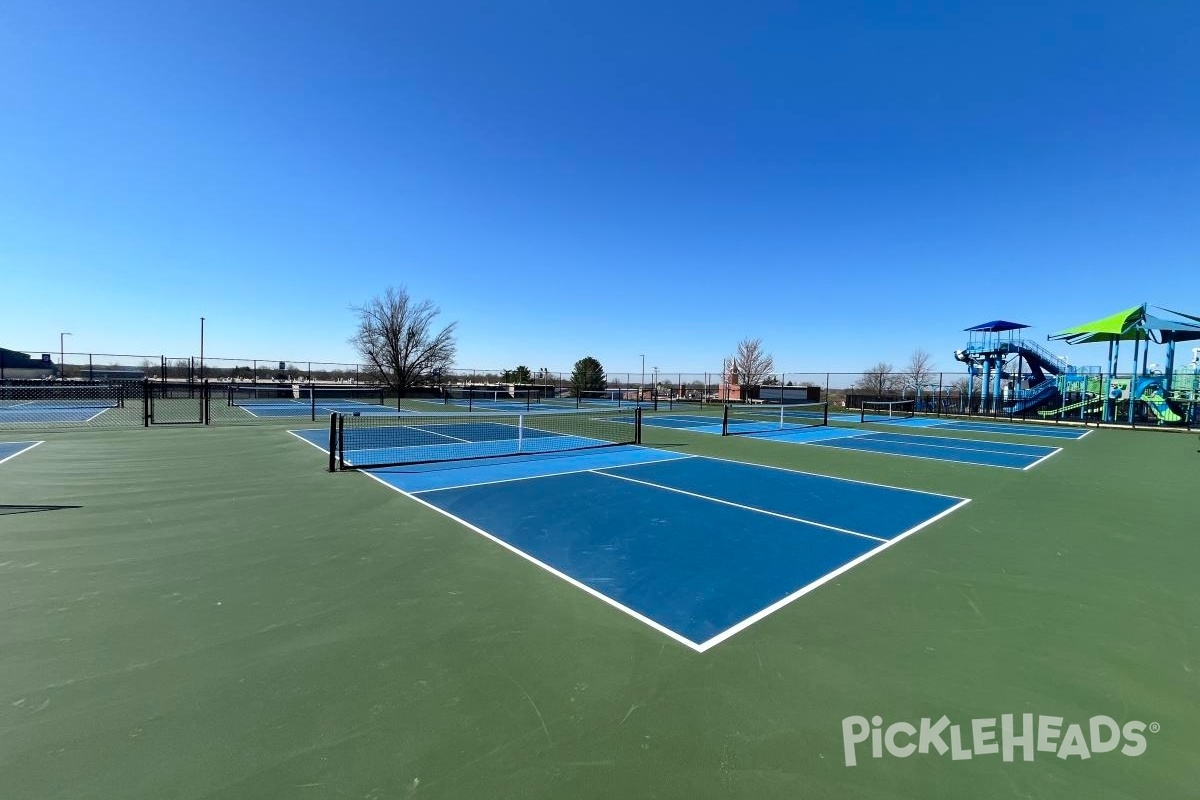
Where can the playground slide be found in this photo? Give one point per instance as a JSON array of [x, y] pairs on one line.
[[1149, 391], [1041, 394], [1094, 400], [1160, 409]]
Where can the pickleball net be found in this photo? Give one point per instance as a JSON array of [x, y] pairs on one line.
[[741, 420], [885, 410], [370, 441], [63, 396], [303, 394]]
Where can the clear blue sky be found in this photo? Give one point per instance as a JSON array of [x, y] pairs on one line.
[[848, 181]]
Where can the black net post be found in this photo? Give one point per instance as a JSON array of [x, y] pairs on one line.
[[725, 420], [312, 400], [204, 395], [341, 441], [637, 423], [146, 402], [333, 429]]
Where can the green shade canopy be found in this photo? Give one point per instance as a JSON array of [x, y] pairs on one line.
[[1133, 323]]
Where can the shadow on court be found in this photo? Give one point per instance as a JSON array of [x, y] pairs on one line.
[[31, 509]]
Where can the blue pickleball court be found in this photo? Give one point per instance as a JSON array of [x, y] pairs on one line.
[[698, 548]]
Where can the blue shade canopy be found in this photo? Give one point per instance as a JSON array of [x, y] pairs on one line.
[[996, 325]]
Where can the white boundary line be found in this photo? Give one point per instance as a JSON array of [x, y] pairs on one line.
[[959, 446], [436, 433], [1010, 428], [1055, 452], [771, 609], [577, 584], [41, 421], [774, 436], [306, 441], [754, 509], [909, 455], [30, 446], [565, 454], [548, 474], [828, 477], [728, 632], [683, 417]]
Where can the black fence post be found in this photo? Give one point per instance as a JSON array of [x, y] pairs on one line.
[[145, 402]]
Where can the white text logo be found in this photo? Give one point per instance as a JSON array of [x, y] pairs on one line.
[[1006, 737]]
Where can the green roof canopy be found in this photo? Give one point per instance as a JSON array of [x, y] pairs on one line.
[[1133, 323]]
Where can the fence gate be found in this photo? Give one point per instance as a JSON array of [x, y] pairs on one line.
[[176, 403]]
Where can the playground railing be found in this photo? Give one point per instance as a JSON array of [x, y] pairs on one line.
[[1138, 401], [1046, 355]]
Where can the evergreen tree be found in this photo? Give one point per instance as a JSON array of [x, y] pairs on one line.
[[587, 376]]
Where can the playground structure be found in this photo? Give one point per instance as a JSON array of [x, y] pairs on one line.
[[1013, 376]]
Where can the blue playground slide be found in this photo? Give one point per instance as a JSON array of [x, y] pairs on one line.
[[1149, 391], [1043, 365], [1045, 392]]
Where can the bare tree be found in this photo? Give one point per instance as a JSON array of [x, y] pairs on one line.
[[396, 337], [877, 380], [920, 368], [749, 366]]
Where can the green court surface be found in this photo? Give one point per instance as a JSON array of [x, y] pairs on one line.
[[206, 613]]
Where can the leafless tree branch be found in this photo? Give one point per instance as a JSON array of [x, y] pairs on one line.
[[397, 337]]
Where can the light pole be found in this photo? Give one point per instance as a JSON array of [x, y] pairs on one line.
[[62, 370], [202, 349], [642, 381]]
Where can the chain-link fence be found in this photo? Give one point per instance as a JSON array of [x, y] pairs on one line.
[[114, 390]]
